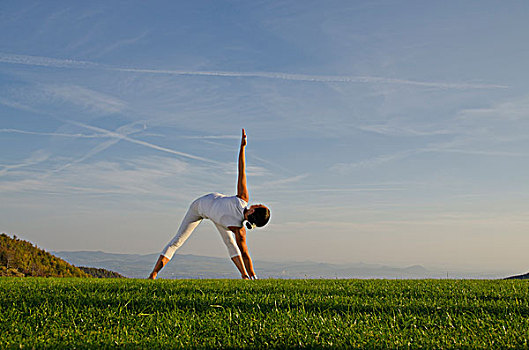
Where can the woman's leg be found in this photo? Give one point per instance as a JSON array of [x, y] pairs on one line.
[[188, 225]]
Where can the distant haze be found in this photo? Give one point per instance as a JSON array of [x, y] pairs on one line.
[[196, 266], [382, 132]]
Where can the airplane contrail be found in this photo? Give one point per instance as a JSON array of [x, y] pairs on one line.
[[99, 148], [74, 64], [315, 78], [35, 158], [44, 61], [27, 132], [139, 142]]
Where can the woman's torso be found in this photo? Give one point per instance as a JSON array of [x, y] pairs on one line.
[[221, 209]]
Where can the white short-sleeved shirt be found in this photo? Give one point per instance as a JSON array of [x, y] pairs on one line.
[[221, 209]]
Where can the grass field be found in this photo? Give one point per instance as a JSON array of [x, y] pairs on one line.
[[90, 313]]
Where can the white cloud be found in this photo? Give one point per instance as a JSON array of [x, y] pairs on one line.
[[251, 170], [491, 131], [86, 98], [501, 123], [17, 105], [144, 175], [490, 153], [24, 185], [283, 182], [37, 98], [119, 44], [343, 190], [138, 176], [212, 137], [393, 129], [344, 168], [509, 111]]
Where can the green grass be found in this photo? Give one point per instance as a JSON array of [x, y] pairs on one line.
[[89, 313]]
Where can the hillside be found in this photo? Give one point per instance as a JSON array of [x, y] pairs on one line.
[[100, 273], [519, 277], [21, 258]]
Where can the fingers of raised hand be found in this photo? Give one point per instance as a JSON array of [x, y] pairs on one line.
[[243, 140]]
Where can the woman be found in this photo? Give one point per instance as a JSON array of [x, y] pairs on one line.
[[228, 214]]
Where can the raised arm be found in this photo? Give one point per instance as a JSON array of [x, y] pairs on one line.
[[242, 190]]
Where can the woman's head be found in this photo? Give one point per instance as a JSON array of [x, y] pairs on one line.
[[257, 215]]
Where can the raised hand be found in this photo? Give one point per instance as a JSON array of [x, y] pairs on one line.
[[243, 139]]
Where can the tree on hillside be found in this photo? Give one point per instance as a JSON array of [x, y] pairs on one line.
[[101, 273], [3, 258]]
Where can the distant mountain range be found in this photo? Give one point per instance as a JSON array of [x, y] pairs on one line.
[[22, 258], [194, 266]]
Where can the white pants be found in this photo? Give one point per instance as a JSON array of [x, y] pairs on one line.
[[189, 224]]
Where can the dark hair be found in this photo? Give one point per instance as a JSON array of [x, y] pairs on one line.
[[260, 216]]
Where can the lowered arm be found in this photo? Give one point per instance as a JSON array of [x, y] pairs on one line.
[[240, 238]]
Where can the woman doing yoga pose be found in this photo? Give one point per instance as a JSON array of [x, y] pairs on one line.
[[229, 215]]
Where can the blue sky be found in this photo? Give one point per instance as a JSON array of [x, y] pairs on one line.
[[382, 131]]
